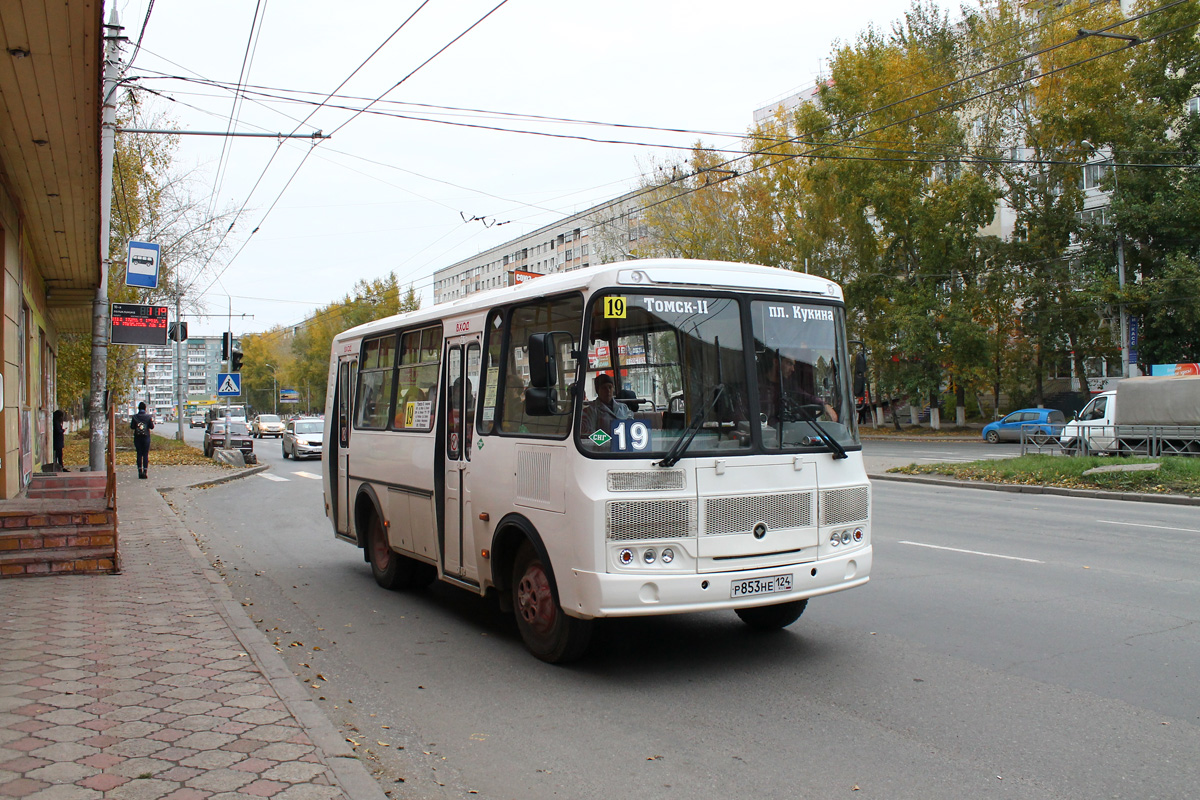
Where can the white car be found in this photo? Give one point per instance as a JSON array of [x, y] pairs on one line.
[[302, 438], [266, 425]]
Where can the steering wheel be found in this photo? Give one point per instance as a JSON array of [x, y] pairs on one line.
[[808, 410]]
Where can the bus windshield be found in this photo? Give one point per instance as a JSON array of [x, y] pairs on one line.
[[662, 367]]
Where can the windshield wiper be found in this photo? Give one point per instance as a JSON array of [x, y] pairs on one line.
[[833, 444], [683, 442]]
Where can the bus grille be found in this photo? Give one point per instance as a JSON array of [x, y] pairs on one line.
[[645, 481], [741, 514], [839, 506], [651, 519]]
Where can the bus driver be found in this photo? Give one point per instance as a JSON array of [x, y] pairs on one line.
[[600, 413]]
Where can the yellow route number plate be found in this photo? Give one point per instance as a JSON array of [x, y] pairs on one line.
[[614, 307]]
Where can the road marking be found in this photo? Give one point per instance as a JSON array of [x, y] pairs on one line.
[[1143, 525], [308, 475], [974, 552], [271, 477]]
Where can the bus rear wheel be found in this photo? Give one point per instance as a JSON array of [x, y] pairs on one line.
[[772, 618], [391, 570], [548, 633]]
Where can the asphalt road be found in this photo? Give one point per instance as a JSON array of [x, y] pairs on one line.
[[1008, 645]]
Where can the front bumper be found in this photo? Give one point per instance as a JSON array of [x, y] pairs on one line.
[[631, 595], [304, 450]]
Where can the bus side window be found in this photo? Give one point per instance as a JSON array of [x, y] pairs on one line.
[[564, 313]]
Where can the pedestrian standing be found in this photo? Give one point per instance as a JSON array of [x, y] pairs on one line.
[[60, 439], [141, 424]]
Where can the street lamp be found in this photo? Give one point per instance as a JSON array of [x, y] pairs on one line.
[[274, 387]]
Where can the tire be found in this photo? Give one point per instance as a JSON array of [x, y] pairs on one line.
[[391, 570], [547, 631], [1071, 448], [772, 618], [993, 437], [285, 453]]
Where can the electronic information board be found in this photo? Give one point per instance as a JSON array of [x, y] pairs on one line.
[[138, 324]]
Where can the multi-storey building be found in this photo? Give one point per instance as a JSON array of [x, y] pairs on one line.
[[601, 234], [155, 382]]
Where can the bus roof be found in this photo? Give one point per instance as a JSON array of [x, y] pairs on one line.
[[642, 274]]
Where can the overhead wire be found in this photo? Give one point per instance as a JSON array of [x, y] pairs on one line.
[[302, 161], [422, 65], [848, 139], [355, 116], [780, 158], [243, 74]]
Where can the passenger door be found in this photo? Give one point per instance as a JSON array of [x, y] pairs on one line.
[[340, 444], [462, 383]]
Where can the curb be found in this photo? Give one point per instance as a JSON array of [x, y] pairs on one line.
[[349, 772], [244, 473], [1020, 488]]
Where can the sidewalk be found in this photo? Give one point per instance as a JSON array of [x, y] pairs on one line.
[[154, 683]]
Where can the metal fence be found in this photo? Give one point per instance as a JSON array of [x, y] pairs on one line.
[[1125, 440]]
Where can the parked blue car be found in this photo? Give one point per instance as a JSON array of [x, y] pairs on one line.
[[1048, 422]]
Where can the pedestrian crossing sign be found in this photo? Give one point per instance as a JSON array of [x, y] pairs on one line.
[[229, 384]]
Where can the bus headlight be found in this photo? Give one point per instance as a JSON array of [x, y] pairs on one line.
[[835, 539], [668, 555], [649, 555], [846, 537], [858, 535], [625, 557]]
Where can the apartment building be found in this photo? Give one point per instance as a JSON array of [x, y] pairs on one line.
[[155, 382], [601, 234]]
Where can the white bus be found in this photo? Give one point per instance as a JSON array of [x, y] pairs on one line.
[[647, 437]]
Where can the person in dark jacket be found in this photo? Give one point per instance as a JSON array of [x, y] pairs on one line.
[[141, 424], [60, 439]]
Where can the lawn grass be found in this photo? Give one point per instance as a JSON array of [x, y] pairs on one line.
[[1176, 475], [164, 450]]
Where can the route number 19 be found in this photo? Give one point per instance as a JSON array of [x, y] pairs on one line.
[[614, 307], [631, 435]]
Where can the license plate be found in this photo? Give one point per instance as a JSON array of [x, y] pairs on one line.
[[771, 584]]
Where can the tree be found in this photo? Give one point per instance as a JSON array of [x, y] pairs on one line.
[[151, 202], [310, 342]]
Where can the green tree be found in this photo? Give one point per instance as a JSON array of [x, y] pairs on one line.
[[312, 340]]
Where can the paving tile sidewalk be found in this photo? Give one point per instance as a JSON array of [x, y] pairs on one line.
[[154, 683]]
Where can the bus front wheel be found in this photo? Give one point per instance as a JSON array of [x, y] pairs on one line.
[[548, 633], [772, 618]]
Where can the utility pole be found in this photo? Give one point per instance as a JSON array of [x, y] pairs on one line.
[[98, 416], [180, 361]]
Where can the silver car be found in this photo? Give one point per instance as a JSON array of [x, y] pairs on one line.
[[302, 438], [266, 425]]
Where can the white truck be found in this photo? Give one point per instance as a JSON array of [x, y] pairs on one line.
[[1142, 416]]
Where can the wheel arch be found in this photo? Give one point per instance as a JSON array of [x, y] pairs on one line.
[[366, 502], [506, 541]]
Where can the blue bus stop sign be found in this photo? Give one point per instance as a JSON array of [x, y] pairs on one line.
[[141, 267]]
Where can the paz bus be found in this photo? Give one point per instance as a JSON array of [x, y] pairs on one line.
[[645, 437]]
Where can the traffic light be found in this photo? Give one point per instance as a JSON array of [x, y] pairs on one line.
[[226, 345], [235, 361], [177, 332]]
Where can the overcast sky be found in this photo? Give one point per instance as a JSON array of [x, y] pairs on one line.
[[389, 194]]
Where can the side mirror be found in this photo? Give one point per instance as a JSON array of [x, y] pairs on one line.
[[541, 397], [860, 373], [541, 402], [543, 349]]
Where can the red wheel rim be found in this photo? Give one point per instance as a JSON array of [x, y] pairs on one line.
[[535, 601], [380, 552]]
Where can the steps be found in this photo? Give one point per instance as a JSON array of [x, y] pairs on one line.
[[62, 526]]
